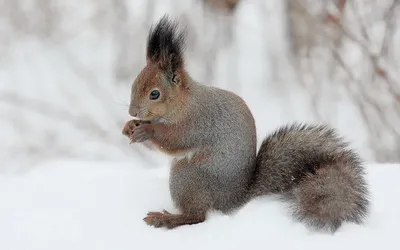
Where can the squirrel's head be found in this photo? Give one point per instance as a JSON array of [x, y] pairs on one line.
[[159, 90]]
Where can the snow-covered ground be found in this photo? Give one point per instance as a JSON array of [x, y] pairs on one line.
[[95, 205]]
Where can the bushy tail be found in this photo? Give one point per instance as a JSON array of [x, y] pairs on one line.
[[334, 194], [315, 171]]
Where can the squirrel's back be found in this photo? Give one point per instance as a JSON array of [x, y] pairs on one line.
[[315, 171]]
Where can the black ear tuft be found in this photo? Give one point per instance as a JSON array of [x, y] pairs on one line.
[[166, 44]]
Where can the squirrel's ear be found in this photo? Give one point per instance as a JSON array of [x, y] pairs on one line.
[[165, 47], [173, 69]]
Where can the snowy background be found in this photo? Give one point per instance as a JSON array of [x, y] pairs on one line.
[[67, 175], [66, 68]]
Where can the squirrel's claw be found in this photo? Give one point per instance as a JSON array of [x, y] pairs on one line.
[[170, 221], [137, 131], [129, 127], [166, 212], [141, 133]]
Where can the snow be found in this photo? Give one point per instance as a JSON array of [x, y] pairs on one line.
[[85, 205]]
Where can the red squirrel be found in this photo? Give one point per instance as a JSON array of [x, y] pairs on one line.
[[212, 134]]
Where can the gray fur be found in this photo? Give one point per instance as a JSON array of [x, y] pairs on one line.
[[222, 129], [312, 167]]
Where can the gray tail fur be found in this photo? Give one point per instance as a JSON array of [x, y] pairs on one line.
[[313, 169], [334, 194]]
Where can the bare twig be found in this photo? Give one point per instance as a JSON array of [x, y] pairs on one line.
[[365, 90]]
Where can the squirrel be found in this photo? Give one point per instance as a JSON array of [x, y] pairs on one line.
[[211, 134]]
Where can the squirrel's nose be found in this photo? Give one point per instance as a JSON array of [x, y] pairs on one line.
[[133, 111]]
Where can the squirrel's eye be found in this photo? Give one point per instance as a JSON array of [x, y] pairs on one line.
[[154, 95]]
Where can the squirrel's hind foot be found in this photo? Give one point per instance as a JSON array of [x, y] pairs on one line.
[[170, 221]]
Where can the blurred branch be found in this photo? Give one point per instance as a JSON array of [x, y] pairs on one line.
[[224, 5], [91, 82], [59, 114], [365, 90], [40, 18], [82, 122]]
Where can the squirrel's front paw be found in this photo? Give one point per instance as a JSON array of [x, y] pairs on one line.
[[137, 130], [130, 127], [141, 133]]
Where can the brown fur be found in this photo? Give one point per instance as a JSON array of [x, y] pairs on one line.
[[170, 221], [172, 97]]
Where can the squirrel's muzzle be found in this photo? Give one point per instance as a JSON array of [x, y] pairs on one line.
[[133, 111]]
